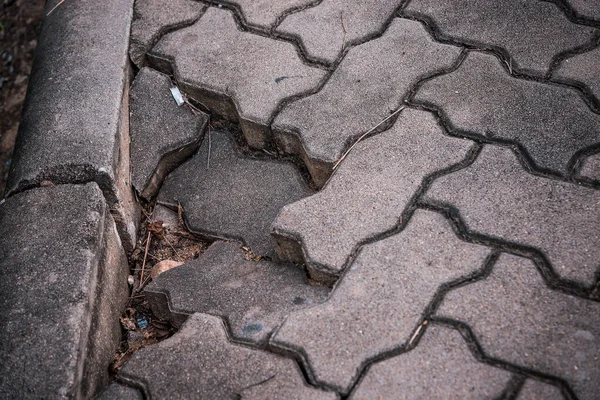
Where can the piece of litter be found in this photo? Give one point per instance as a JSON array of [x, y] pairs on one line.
[[177, 96], [130, 280], [142, 322]]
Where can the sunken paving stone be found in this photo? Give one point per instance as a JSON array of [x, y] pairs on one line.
[[496, 197], [531, 32], [238, 75], [550, 122], [587, 8], [225, 194], [63, 279], [380, 301], [265, 14], [163, 134], [367, 194], [328, 28], [440, 367], [253, 296], [538, 390], [365, 89], [516, 318], [591, 167], [582, 69], [155, 18], [199, 361]]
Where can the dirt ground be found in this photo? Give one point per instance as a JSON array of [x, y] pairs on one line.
[[20, 22]]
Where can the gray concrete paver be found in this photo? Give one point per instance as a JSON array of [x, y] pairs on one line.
[[586, 8], [253, 296], [495, 196], [582, 69], [440, 367], [537, 390], [367, 194], [228, 195], [380, 301], [591, 167], [199, 361], [328, 28], [237, 74], [551, 122], [115, 391], [516, 318], [265, 14], [154, 18], [532, 32], [163, 134], [366, 88]]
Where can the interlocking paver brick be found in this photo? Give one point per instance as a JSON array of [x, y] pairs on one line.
[[591, 167], [366, 88], [587, 8], [532, 32], [551, 122], [328, 28], [116, 391], [155, 18], [237, 74], [265, 14], [380, 300], [440, 367], [582, 68], [367, 194], [200, 362], [253, 296], [228, 195], [516, 318], [497, 197], [163, 134], [538, 390], [63, 279]]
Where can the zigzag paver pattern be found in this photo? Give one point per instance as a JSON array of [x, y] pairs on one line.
[[452, 242]]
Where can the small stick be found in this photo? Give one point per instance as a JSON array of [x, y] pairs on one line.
[[54, 8], [144, 262], [208, 155], [365, 134], [414, 336]]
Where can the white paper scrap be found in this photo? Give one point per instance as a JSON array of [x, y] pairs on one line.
[[177, 96]]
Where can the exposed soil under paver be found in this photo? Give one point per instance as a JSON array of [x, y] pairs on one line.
[[345, 199]]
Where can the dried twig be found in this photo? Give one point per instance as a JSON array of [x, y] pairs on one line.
[[365, 134], [414, 336], [144, 262], [55, 7]]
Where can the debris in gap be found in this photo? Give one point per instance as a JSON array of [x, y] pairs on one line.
[[177, 96], [249, 255], [163, 266], [166, 243]]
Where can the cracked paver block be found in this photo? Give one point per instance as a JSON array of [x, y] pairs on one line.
[[163, 134], [517, 318], [265, 14], [532, 32], [367, 194], [328, 28], [155, 18], [365, 89], [582, 68], [200, 360], [440, 367], [63, 279], [537, 390], [497, 197], [587, 8], [253, 296], [380, 300], [591, 167], [233, 196], [238, 75], [551, 122]]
